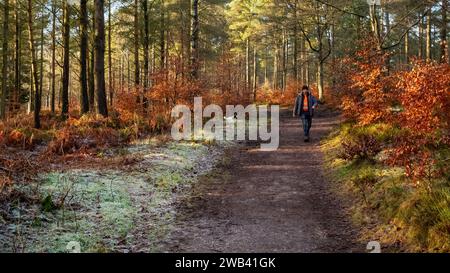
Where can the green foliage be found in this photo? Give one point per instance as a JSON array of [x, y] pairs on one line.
[[47, 204]]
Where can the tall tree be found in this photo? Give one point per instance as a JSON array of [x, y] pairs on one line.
[[322, 45], [195, 39], [18, 55], [91, 83], [428, 46], [255, 73], [5, 59], [66, 60], [146, 50], [444, 27], [100, 57], [84, 56], [110, 64], [53, 61], [41, 59], [137, 71], [162, 37], [34, 66]]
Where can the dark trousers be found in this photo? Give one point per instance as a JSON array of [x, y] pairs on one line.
[[307, 123]]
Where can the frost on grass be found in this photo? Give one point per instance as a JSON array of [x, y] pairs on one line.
[[128, 210]]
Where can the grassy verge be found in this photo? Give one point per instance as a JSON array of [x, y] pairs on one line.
[[390, 208], [113, 209]]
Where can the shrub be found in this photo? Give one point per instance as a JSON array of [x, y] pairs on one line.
[[362, 147], [367, 98]]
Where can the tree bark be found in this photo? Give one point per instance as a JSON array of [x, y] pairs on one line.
[[162, 39], [137, 73], [53, 61], [428, 46], [110, 64], [275, 68], [66, 61], [295, 55], [146, 52], [92, 68], [247, 65], [84, 57], [100, 57], [407, 48], [255, 72], [34, 65], [283, 62], [18, 54], [302, 60], [420, 40], [444, 42], [41, 59], [195, 40], [5, 59], [375, 26], [320, 80]]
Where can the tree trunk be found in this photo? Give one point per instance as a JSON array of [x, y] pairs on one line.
[[100, 57], [307, 73], [275, 69], [428, 46], [320, 80], [162, 39], [375, 26], [266, 67], [387, 18], [110, 64], [92, 68], [84, 57], [302, 60], [255, 72], [137, 73], [407, 48], [295, 55], [30, 106], [37, 98], [18, 43], [146, 52], [122, 74], [444, 42], [41, 69], [247, 65], [5, 59], [53, 61], [128, 73], [420, 47], [195, 40], [283, 62], [66, 61]]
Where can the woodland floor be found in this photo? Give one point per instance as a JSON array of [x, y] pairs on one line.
[[260, 201], [186, 197]]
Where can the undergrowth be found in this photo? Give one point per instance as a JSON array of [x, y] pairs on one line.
[[403, 214]]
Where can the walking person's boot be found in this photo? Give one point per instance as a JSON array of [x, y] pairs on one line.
[[306, 138]]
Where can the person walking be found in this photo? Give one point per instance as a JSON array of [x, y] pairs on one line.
[[305, 104]]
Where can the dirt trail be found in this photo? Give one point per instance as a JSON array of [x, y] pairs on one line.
[[268, 201]]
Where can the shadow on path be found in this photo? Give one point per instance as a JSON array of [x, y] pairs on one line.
[[276, 201]]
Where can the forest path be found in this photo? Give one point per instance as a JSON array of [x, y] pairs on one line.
[[276, 201]]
